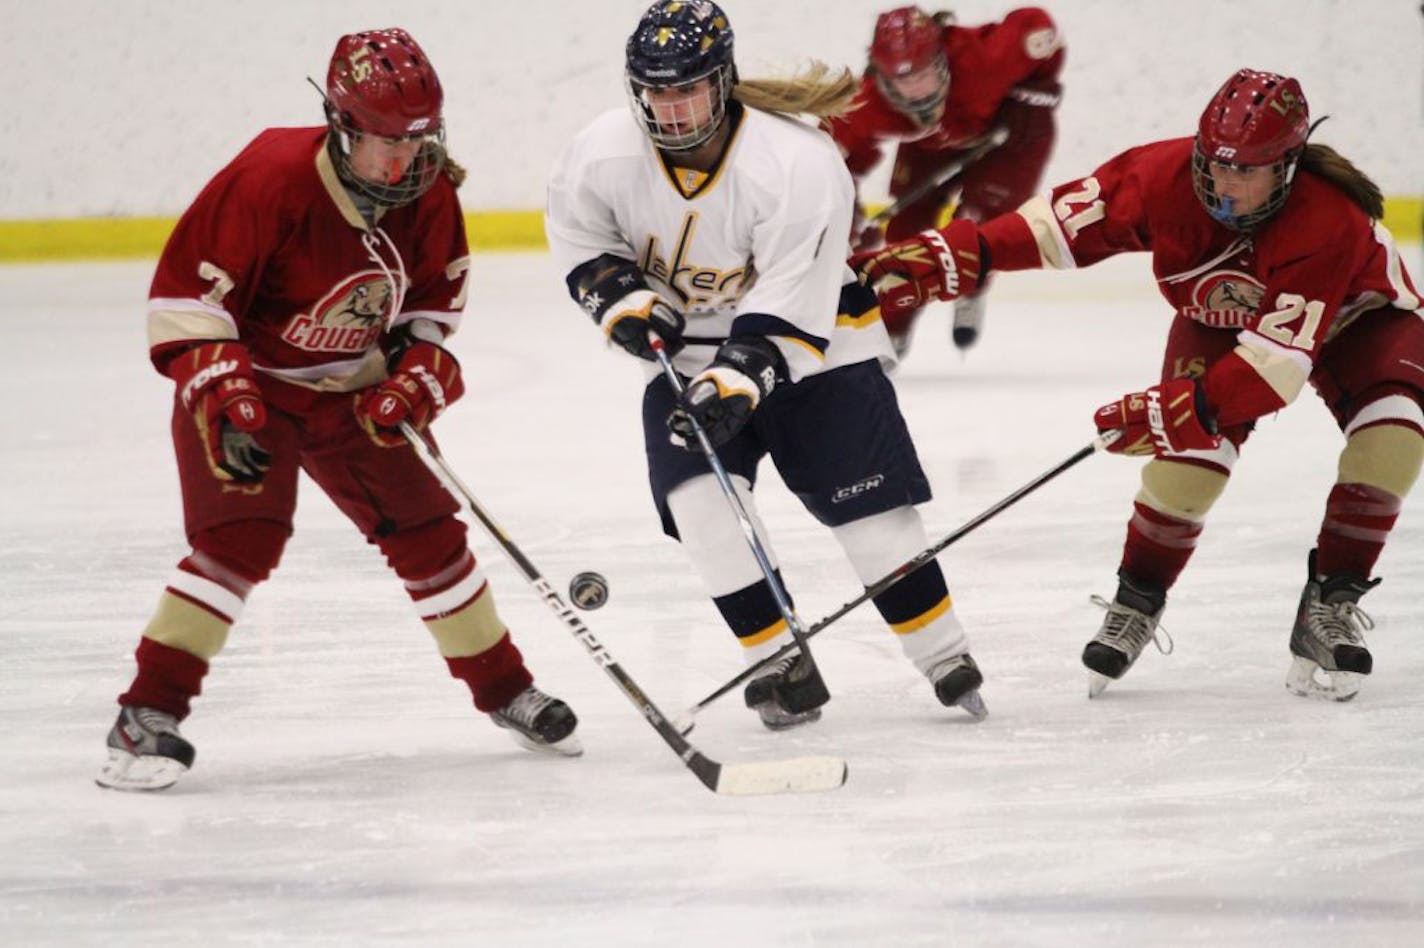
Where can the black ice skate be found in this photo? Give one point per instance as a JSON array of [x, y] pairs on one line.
[[787, 693], [1328, 641], [540, 722], [1130, 624], [956, 684], [146, 752]]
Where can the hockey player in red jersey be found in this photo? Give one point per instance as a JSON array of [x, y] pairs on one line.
[[301, 307], [1272, 253], [943, 94]]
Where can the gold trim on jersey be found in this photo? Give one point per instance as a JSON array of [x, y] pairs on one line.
[[701, 182], [867, 318]]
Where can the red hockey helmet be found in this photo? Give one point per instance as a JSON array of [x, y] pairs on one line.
[[1255, 119], [908, 42], [381, 83]]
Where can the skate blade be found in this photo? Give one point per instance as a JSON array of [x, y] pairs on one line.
[[1097, 683], [974, 704], [1305, 680], [125, 771], [779, 720], [568, 747]]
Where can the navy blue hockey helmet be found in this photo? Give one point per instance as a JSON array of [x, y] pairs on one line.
[[678, 43]]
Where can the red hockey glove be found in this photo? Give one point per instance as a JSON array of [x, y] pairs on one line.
[[932, 265], [1166, 419], [424, 382], [723, 396], [216, 385]]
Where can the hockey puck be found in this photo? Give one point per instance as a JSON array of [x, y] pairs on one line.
[[588, 590]]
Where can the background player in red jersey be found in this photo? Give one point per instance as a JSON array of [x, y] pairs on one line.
[[1272, 254], [301, 306], [940, 92]]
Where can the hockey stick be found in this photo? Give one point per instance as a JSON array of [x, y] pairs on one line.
[[778, 591], [685, 722], [954, 169], [796, 775]]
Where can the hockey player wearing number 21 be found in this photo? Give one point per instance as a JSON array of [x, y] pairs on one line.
[[301, 307], [1271, 252], [709, 217]]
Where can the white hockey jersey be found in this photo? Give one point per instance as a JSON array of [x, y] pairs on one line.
[[759, 241]]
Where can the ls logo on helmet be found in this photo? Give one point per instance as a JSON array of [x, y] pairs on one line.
[[418, 125]]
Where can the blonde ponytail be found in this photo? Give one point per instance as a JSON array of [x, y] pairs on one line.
[[812, 91]]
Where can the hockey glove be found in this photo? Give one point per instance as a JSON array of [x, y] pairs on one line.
[[613, 292], [424, 381], [217, 387], [722, 397], [932, 265], [1166, 419]]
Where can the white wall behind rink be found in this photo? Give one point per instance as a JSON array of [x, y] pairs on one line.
[[127, 108]]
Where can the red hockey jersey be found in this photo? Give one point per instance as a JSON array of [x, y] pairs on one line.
[[1019, 56], [275, 254], [1288, 287]]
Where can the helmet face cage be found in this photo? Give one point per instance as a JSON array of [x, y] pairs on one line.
[[1221, 209], [677, 44], [380, 83], [908, 41], [1255, 119]]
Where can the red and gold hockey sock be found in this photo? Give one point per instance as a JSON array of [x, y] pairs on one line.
[[1357, 522], [1158, 545], [168, 679], [495, 676]]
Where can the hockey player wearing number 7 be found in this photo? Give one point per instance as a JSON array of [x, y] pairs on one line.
[[712, 218], [1271, 251], [301, 307]]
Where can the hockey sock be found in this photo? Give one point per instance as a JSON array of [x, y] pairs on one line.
[[495, 676], [1158, 545], [1357, 522], [168, 679], [919, 610], [754, 618]]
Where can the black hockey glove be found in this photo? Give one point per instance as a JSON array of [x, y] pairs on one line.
[[722, 397], [612, 291]]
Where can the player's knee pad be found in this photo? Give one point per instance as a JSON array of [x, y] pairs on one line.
[[712, 536], [877, 544], [249, 548], [1185, 491], [420, 552]]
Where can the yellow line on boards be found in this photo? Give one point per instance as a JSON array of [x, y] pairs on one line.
[[115, 238]]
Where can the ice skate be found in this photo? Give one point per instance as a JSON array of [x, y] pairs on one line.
[[787, 693], [1131, 622], [968, 320], [1330, 658], [956, 683], [540, 723], [146, 752]]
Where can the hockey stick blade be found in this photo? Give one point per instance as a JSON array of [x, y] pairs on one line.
[[795, 775]]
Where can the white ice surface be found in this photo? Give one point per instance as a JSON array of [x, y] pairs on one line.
[[345, 791]]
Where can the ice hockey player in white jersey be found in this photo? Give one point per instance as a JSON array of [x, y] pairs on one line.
[[710, 216]]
